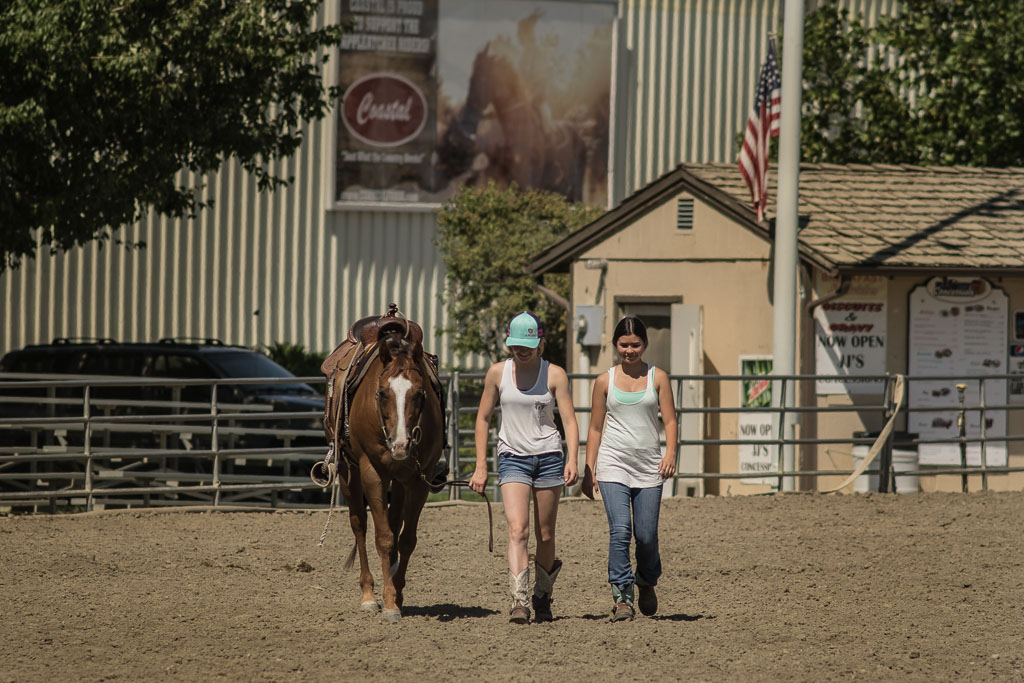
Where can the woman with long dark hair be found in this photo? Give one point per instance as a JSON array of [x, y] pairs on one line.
[[624, 458]]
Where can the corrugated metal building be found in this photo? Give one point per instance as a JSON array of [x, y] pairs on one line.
[[289, 267]]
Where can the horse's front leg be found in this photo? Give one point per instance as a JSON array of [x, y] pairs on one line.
[[357, 519], [376, 496], [415, 497], [395, 521]]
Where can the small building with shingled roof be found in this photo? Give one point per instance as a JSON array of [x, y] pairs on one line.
[[903, 270]]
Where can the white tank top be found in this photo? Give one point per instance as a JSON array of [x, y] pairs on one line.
[[527, 417], [630, 446]]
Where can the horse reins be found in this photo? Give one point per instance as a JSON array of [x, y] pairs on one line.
[[415, 434]]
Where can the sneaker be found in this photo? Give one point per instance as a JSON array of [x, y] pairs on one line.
[[622, 611], [647, 600], [542, 608], [519, 614]]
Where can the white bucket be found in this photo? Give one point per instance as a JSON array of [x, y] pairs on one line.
[[902, 461]]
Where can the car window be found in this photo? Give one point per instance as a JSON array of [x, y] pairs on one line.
[[110, 362], [246, 364], [181, 366], [184, 366], [243, 363], [41, 360]]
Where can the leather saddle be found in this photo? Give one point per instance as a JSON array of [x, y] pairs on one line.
[[346, 366]]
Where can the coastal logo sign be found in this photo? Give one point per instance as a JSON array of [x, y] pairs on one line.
[[384, 110]]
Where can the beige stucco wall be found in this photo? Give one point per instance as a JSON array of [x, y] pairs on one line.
[[719, 266], [724, 268]]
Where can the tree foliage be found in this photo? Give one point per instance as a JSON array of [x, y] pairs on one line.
[[942, 83], [486, 238], [103, 103]]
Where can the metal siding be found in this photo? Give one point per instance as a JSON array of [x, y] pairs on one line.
[[310, 271], [694, 65]]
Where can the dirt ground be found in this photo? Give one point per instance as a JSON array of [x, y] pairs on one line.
[[795, 587]]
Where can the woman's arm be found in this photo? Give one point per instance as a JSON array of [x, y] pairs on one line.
[[489, 398], [558, 384], [667, 404], [598, 408]]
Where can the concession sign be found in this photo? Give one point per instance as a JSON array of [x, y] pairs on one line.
[[850, 336]]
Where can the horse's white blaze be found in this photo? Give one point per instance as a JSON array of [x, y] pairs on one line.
[[400, 386]]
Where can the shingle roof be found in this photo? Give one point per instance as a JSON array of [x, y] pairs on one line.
[[857, 216]]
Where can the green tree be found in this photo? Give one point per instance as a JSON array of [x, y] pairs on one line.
[[940, 83], [486, 238], [102, 105]]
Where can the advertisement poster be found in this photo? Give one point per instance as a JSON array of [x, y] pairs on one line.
[[850, 335], [386, 129], [958, 326], [757, 393], [440, 94]]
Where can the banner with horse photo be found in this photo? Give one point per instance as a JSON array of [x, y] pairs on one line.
[[509, 91]]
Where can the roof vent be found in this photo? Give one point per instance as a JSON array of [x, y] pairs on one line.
[[684, 214]]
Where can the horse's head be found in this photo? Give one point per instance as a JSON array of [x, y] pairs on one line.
[[402, 393], [494, 81]]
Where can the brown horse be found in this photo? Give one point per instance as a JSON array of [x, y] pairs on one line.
[[395, 438]]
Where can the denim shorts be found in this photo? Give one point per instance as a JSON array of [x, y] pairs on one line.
[[539, 471]]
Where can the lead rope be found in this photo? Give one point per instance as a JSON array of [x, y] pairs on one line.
[[332, 472], [490, 518], [459, 482], [330, 511]]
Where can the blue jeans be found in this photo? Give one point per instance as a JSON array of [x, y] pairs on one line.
[[632, 512]]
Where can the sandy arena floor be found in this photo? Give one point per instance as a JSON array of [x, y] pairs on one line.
[[797, 587]]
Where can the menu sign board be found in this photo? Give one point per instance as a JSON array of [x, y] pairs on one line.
[[958, 326]]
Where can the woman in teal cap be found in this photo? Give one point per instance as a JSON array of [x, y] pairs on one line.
[[530, 458]]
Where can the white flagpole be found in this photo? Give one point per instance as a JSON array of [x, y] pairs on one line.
[[786, 224]]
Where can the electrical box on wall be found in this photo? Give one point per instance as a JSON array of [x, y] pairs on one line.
[[589, 325]]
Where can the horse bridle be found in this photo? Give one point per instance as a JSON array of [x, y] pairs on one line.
[[415, 434]]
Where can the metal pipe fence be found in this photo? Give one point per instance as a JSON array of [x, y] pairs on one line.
[[64, 444]]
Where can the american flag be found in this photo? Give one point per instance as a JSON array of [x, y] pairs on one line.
[[762, 125]]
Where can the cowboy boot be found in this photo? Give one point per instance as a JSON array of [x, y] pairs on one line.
[[519, 585], [623, 610], [543, 589]]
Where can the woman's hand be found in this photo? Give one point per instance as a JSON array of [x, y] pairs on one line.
[[478, 482], [667, 466], [571, 472], [589, 484]]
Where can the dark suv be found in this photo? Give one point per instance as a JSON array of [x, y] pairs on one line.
[[169, 359]]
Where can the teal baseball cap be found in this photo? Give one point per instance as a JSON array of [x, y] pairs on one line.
[[524, 330]]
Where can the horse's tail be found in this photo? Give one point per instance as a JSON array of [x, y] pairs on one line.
[[351, 558]]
